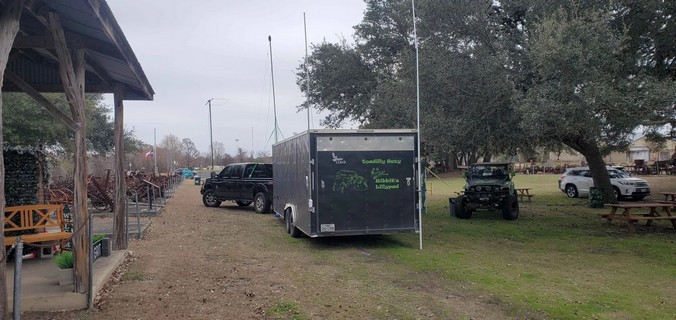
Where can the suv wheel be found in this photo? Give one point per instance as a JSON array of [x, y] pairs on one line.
[[461, 210], [209, 199], [261, 203], [510, 207], [616, 192], [571, 191]]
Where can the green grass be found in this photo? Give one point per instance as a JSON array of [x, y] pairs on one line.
[[132, 276], [285, 310], [559, 257]]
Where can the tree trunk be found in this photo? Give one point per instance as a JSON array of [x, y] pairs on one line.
[[597, 166], [119, 221], [10, 15]]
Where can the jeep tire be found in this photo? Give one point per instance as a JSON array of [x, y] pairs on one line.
[[510, 207], [461, 209]]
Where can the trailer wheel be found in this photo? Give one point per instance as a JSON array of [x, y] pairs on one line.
[[261, 203], [287, 214], [290, 228], [209, 199]]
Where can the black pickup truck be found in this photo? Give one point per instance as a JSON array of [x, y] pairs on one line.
[[242, 183]]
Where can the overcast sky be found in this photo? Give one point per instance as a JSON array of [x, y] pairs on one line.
[[192, 51]]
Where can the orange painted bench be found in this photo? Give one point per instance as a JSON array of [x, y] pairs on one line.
[[47, 219]]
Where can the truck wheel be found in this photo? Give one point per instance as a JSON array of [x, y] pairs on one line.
[[261, 203], [461, 210], [290, 228], [510, 207], [209, 199], [243, 203]]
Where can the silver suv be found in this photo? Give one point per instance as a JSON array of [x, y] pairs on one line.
[[577, 181]]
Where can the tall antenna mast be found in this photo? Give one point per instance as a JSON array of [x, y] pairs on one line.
[[307, 75], [417, 84], [272, 74]]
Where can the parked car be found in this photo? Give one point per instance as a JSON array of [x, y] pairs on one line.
[[243, 183], [576, 182], [189, 174]]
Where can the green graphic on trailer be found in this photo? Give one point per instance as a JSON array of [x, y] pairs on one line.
[[348, 180], [366, 190]]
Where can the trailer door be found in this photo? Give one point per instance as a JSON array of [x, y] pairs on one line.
[[365, 185]]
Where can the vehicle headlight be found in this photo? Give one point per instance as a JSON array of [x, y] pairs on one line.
[[627, 183]]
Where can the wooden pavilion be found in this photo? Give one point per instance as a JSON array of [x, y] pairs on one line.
[[71, 46]]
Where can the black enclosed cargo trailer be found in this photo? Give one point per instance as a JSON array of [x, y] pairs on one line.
[[347, 182]]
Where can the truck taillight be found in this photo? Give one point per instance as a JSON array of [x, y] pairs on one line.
[[562, 176]]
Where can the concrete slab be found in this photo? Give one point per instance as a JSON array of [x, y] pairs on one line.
[[40, 289]]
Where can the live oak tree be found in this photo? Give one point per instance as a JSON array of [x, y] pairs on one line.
[[581, 95], [497, 76], [466, 95]]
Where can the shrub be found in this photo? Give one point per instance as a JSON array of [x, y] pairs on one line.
[[64, 260]]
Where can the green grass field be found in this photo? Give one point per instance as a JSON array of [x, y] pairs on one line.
[[558, 258]]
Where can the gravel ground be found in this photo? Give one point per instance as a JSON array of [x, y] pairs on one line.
[[231, 263]]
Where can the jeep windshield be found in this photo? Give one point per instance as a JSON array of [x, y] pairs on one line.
[[487, 171]]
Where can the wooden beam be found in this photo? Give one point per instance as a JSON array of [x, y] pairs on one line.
[[119, 221], [10, 16], [72, 71], [111, 29], [40, 99], [100, 71], [57, 87], [74, 40]]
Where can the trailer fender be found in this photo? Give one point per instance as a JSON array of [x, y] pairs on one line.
[[292, 207]]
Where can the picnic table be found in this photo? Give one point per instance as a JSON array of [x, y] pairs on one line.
[[669, 196], [523, 193], [631, 217]]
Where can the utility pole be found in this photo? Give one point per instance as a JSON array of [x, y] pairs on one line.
[[211, 135], [211, 132]]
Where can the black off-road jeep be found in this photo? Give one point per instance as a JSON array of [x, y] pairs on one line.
[[488, 186]]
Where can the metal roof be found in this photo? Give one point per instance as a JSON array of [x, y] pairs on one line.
[[87, 24]]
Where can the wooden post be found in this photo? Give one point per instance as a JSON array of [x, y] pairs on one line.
[[72, 70], [10, 15], [119, 223]]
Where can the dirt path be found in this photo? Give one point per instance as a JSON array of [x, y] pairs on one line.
[[230, 263]]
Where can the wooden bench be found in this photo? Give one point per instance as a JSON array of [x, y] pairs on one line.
[[632, 218], [46, 219], [524, 193]]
